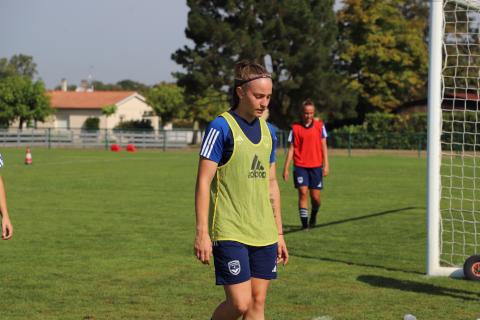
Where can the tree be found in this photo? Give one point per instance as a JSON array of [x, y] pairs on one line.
[[131, 85], [123, 85], [23, 100], [206, 107], [100, 86], [167, 101], [108, 110], [24, 65], [383, 53], [298, 37], [18, 65], [6, 69]]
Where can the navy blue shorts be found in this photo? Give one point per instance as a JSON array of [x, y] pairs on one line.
[[236, 262], [308, 177]]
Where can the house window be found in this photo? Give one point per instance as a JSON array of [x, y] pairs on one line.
[[62, 123]]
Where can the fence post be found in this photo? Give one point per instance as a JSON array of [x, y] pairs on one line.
[[49, 138], [349, 143], [106, 139], [420, 136], [164, 140]]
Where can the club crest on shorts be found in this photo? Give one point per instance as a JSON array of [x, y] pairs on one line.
[[234, 267], [300, 179]]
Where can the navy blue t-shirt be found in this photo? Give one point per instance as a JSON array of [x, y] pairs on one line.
[[218, 140]]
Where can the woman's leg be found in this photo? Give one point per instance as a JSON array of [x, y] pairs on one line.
[[256, 310], [238, 298]]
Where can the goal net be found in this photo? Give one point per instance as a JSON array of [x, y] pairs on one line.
[[454, 136]]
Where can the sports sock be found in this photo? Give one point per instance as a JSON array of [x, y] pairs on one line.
[[304, 217], [313, 215]]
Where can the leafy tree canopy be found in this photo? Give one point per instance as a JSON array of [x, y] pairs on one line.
[[167, 100], [18, 65], [383, 52], [23, 100], [109, 110], [123, 85], [296, 38]]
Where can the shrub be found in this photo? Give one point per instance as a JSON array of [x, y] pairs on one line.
[[136, 125]]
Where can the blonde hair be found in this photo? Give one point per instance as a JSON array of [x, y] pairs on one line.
[[306, 102], [246, 71]]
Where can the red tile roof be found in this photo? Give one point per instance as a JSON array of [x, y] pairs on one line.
[[464, 96], [86, 100]]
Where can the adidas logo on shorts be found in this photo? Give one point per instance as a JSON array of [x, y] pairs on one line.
[[257, 170]]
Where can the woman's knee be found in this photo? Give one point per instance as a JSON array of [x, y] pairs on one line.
[[241, 305], [303, 193], [259, 301]]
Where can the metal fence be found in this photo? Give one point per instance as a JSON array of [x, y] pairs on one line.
[[181, 138], [78, 138]]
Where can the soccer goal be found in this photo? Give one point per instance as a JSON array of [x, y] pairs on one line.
[[453, 204]]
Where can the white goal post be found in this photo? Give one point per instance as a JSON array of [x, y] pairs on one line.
[[453, 186]]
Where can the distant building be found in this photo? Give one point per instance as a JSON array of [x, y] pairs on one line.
[[458, 101], [73, 108]]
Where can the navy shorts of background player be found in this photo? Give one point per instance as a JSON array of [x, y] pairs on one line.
[[309, 177], [236, 262]]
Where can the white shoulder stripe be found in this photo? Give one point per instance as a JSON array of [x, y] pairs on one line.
[[212, 144], [205, 142]]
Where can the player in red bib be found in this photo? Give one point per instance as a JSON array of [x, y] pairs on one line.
[[308, 149]]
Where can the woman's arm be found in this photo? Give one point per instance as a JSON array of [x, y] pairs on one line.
[[203, 243], [282, 252], [7, 228]]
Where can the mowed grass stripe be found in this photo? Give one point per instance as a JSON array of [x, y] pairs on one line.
[[102, 235]]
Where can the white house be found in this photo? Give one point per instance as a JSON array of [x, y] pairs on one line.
[[73, 108]]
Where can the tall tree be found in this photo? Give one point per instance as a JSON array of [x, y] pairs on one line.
[[296, 36], [383, 52], [18, 65], [23, 100], [6, 69], [24, 65]]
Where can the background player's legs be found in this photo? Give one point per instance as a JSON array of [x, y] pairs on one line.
[[237, 302], [256, 311], [315, 197], [303, 205]]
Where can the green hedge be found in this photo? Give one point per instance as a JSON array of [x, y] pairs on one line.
[[383, 131], [135, 125]]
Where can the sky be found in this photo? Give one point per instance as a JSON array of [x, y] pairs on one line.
[[111, 40]]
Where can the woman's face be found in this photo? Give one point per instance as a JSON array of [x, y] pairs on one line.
[[308, 114], [255, 97]]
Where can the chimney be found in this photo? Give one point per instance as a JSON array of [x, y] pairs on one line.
[[63, 85]]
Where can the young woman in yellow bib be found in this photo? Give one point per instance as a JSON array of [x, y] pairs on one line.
[[237, 199]]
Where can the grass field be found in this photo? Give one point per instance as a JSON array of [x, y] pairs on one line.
[[102, 235]]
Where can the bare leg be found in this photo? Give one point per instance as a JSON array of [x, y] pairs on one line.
[[303, 197], [238, 298], [256, 310]]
